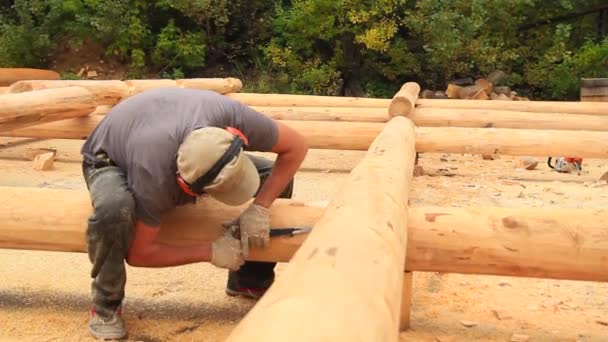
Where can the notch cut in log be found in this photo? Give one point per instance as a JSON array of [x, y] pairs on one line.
[[9, 76], [359, 136], [19, 111], [353, 258], [404, 101], [556, 243]]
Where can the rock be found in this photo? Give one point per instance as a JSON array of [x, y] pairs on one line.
[[469, 324], [44, 161], [604, 177], [519, 338], [92, 73], [528, 163], [443, 159]]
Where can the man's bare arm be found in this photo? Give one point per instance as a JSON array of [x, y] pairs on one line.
[[291, 148], [146, 251]]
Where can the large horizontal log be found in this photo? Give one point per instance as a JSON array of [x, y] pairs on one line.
[[489, 118], [107, 92], [570, 107], [288, 100], [9, 76], [437, 117], [110, 92], [559, 243], [359, 135], [25, 110], [353, 260]]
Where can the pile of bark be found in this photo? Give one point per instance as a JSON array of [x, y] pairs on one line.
[[488, 88]]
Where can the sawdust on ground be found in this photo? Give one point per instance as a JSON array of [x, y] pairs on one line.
[[44, 295]]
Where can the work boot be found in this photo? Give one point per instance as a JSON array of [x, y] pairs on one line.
[[107, 329], [253, 289]]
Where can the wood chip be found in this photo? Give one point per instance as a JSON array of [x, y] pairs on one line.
[[469, 324], [490, 156], [504, 283], [44, 162], [501, 316], [519, 338], [445, 338], [602, 322], [604, 177]]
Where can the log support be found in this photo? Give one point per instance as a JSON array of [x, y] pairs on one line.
[[406, 301]]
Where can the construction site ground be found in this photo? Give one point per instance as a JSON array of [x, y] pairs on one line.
[[44, 296]]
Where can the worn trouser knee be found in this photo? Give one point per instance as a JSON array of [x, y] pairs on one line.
[[108, 236]]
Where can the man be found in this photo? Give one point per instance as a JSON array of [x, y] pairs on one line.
[[164, 148]]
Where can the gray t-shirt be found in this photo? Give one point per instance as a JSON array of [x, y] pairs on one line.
[[143, 133]]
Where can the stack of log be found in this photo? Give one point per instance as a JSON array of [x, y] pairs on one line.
[[488, 88]]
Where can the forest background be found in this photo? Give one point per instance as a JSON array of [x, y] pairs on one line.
[[323, 47]]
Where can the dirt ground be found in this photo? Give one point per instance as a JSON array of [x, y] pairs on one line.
[[44, 295]]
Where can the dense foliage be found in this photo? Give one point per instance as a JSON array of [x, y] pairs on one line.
[[341, 47]]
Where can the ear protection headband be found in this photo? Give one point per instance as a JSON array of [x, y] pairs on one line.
[[196, 188]]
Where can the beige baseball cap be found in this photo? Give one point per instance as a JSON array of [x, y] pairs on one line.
[[239, 179]]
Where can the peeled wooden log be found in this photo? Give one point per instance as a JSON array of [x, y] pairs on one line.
[[287, 100], [107, 92], [488, 118], [351, 264], [220, 85], [557, 243], [138, 86], [405, 100], [18, 111], [588, 108], [355, 114], [359, 135], [9, 76]]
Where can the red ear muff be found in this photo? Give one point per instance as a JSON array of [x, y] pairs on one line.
[[184, 186], [238, 133]]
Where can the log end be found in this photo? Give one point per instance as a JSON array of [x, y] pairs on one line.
[[235, 83]]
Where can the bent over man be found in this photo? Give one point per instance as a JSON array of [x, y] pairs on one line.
[[165, 148]]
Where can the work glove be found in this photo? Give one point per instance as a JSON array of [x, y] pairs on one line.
[[226, 252], [254, 227]]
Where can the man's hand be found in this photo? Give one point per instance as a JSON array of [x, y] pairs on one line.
[[226, 252], [254, 227]]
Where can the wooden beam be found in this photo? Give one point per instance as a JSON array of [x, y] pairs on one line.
[[351, 264], [437, 117], [405, 100], [570, 107], [359, 135], [18, 111], [288, 100], [110, 92], [9, 76], [489, 118], [107, 92], [558, 243]]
